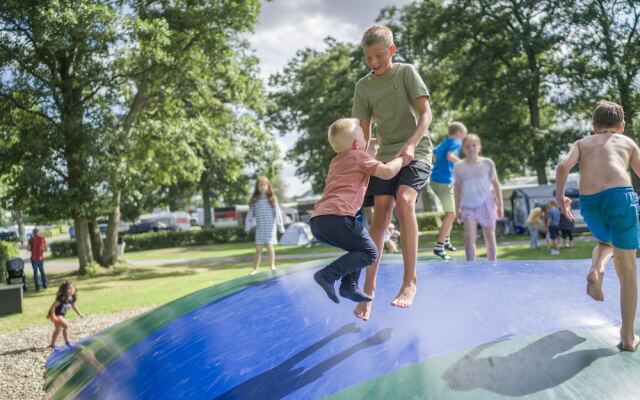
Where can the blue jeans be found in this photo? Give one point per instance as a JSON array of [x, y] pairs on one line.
[[346, 233], [38, 265], [533, 239]]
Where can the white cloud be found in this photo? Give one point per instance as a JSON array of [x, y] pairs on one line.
[[278, 44], [286, 26]]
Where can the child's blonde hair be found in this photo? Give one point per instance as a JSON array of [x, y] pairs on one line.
[[377, 34], [341, 133], [456, 127], [608, 115], [471, 136]]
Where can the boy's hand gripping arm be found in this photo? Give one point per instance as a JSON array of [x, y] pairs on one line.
[[424, 111], [390, 169], [562, 174]]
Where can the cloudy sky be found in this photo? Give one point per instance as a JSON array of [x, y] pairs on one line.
[[286, 26]]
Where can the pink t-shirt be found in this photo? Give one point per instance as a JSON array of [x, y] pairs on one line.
[[346, 183]]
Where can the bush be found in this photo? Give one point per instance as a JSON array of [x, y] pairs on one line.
[[164, 239], [7, 250], [428, 221], [54, 231], [92, 269]]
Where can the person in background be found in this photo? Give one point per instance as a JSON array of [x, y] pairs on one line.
[[566, 227], [265, 211], [533, 223], [37, 246]]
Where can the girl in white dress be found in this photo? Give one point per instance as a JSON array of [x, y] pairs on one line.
[[265, 212], [478, 197]]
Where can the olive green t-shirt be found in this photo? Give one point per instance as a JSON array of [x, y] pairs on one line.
[[389, 101]]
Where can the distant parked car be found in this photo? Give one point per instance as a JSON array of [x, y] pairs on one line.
[[9, 236], [147, 226]]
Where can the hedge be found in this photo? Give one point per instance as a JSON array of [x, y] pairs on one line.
[[428, 221], [164, 239], [7, 250]]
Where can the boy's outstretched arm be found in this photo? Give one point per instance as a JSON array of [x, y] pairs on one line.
[[451, 156], [562, 173], [390, 169], [423, 108]]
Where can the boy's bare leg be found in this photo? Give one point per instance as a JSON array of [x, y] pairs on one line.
[[599, 258], [445, 228], [383, 209], [406, 207], [256, 259], [625, 263], [470, 229], [490, 243], [272, 256]]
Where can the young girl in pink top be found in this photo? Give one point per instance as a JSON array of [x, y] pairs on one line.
[[478, 197]]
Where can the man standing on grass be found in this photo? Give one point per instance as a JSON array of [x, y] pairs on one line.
[[37, 245]]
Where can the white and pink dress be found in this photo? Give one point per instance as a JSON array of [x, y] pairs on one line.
[[477, 200]]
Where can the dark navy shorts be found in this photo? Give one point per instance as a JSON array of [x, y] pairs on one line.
[[415, 175]]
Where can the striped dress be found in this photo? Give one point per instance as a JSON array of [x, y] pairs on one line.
[[267, 221]]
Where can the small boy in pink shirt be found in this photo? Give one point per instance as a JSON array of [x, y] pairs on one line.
[[334, 221]]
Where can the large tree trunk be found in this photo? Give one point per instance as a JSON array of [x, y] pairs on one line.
[[95, 238], [21, 232], [539, 158], [85, 256], [110, 254], [206, 200]]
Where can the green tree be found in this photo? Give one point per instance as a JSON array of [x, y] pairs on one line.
[[81, 81], [491, 63], [313, 90], [605, 57]]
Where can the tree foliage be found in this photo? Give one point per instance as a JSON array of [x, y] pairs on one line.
[[313, 90]]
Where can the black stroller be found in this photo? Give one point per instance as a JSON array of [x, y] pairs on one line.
[[15, 269]]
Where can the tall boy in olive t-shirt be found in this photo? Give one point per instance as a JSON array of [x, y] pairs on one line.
[[394, 97]]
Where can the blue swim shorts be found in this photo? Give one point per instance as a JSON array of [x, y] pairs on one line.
[[612, 216]]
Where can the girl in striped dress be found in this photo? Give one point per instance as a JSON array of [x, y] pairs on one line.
[[264, 210]]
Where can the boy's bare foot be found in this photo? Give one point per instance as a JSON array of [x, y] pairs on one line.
[[629, 345], [253, 272], [363, 310], [594, 285], [404, 299], [273, 268]]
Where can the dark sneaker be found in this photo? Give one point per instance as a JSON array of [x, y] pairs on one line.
[[326, 285], [442, 254], [450, 247], [354, 293]]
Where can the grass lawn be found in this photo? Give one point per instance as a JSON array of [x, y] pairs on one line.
[[134, 287], [126, 288]]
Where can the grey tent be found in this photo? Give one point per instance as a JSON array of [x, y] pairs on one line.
[[296, 234]]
